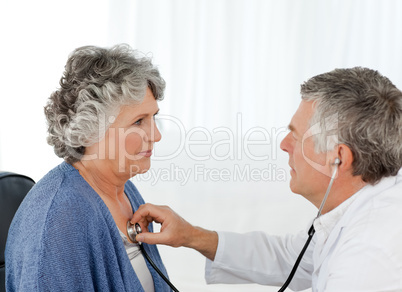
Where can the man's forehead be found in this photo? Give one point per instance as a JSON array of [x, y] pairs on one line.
[[301, 118]]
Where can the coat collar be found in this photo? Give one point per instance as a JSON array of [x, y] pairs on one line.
[[345, 212]]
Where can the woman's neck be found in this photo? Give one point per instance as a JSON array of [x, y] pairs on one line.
[[110, 189], [101, 179]]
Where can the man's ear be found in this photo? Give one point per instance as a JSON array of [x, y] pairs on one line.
[[345, 155]]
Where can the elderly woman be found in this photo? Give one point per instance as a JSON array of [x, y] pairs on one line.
[[70, 234]]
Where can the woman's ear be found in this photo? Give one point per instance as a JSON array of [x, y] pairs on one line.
[[345, 156]]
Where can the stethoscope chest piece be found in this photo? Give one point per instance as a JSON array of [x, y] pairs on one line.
[[133, 230]]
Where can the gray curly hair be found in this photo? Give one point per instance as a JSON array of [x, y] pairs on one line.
[[366, 110], [95, 84]]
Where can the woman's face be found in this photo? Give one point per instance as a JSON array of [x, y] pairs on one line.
[[128, 143]]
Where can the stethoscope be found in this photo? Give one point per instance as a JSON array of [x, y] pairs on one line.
[[311, 231], [134, 229]]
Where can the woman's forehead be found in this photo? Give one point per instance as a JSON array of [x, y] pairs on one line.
[[148, 106]]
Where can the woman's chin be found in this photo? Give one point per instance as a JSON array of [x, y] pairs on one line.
[[135, 169]]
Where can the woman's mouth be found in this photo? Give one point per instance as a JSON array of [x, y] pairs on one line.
[[147, 153]]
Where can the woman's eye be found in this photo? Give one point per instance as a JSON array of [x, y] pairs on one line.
[[138, 122]]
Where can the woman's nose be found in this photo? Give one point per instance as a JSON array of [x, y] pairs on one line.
[[154, 134], [158, 135]]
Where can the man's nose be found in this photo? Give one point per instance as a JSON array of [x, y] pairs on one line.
[[286, 144]]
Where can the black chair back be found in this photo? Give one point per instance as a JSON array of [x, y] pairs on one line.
[[13, 188]]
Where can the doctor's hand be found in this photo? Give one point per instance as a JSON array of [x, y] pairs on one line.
[[175, 231]]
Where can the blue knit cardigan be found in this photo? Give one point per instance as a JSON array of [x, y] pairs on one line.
[[63, 238]]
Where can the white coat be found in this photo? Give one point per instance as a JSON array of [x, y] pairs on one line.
[[357, 247]]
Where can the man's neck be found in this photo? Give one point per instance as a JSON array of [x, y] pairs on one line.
[[342, 189]]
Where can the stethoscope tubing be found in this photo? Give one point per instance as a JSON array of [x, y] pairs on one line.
[[150, 261], [311, 230], [299, 258], [132, 231]]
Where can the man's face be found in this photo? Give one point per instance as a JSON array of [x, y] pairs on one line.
[[309, 170]]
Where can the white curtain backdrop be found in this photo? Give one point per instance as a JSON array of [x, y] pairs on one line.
[[233, 70]]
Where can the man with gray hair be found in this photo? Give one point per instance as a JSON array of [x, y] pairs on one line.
[[346, 133]]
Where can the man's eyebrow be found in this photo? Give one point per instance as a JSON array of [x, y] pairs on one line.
[[292, 129]]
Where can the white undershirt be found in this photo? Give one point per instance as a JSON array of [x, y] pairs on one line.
[[324, 224], [138, 262]]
